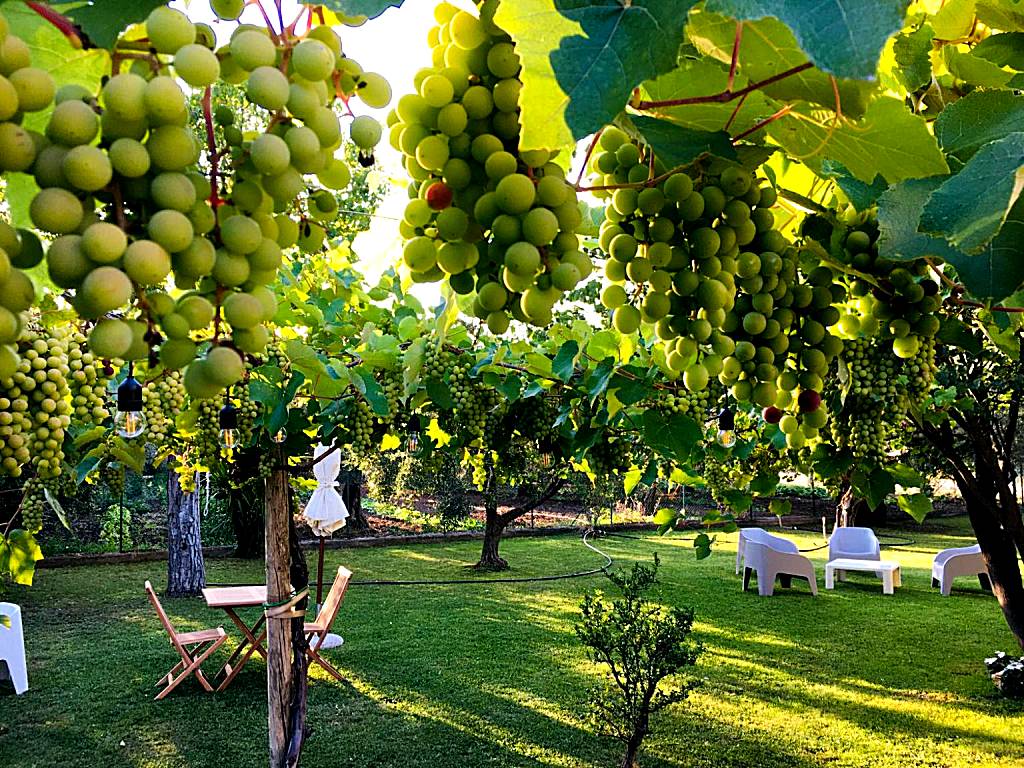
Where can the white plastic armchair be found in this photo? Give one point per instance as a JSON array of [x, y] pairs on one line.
[[953, 563], [853, 543], [748, 534], [772, 558]]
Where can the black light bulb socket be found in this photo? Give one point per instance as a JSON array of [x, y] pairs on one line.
[[726, 420], [228, 417], [129, 395], [413, 425]]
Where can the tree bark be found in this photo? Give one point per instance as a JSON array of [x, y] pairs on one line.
[[993, 509], [186, 571], [852, 510], [280, 671], [352, 495], [496, 522], [245, 504]]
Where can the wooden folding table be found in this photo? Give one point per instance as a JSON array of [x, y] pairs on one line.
[[228, 599]]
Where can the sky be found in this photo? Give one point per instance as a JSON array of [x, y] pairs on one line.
[[395, 46]]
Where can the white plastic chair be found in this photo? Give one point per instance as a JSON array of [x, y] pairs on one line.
[[852, 543], [953, 563], [12, 648], [772, 558], [747, 534]]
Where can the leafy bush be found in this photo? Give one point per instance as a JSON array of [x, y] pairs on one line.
[[644, 646]]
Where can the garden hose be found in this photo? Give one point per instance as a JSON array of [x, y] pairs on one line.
[[509, 580]]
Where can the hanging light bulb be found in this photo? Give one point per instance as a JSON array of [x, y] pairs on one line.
[[228, 419], [726, 428], [412, 435], [545, 460], [129, 421], [279, 436]]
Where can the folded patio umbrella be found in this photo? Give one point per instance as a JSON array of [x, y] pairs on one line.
[[325, 513]]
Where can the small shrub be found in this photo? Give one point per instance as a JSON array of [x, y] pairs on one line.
[[644, 646]]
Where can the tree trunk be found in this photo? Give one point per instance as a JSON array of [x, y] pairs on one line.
[[992, 506], [852, 510], [632, 757], [186, 572], [245, 504], [281, 678], [494, 527], [495, 523], [352, 495]]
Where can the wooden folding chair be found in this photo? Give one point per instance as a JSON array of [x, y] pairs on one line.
[[317, 631], [190, 646]]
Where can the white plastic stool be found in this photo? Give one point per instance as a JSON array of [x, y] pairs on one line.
[[12, 648]]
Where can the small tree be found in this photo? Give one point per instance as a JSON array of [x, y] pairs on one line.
[[643, 645]]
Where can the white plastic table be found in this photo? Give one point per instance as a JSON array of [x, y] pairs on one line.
[[889, 569]]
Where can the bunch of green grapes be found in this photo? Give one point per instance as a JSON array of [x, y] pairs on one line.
[[248, 412], [33, 504], [697, 405], [122, 192], [360, 428], [39, 391], [881, 389], [609, 455], [23, 89], [163, 397], [112, 477], [697, 256], [87, 380], [490, 220], [206, 440], [391, 383], [535, 418]]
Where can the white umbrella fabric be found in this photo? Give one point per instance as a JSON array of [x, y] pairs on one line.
[[325, 513]]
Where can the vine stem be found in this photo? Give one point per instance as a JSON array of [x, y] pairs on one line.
[[211, 148], [762, 123], [60, 21], [735, 60], [586, 157], [723, 97]]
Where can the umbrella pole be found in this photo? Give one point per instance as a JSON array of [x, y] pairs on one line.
[[320, 577]]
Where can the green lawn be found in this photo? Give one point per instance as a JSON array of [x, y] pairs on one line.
[[492, 675]]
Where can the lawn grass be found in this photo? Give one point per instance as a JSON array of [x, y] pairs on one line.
[[492, 675]]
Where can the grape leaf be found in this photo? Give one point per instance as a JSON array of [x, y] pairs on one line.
[[970, 207], [890, 141], [917, 505], [673, 437], [103, 21], [565, 361], [704, 77], [675, 145], [23, 553], [582, 58], [911, 51], [768, 49], [954, 19], [993, 274], [966, 125], [369, 8], [1006, 50], [1007, 15], [974, 69], [844, 37], [862, 195]]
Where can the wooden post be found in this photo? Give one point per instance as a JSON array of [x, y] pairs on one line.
[[279, 636]]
